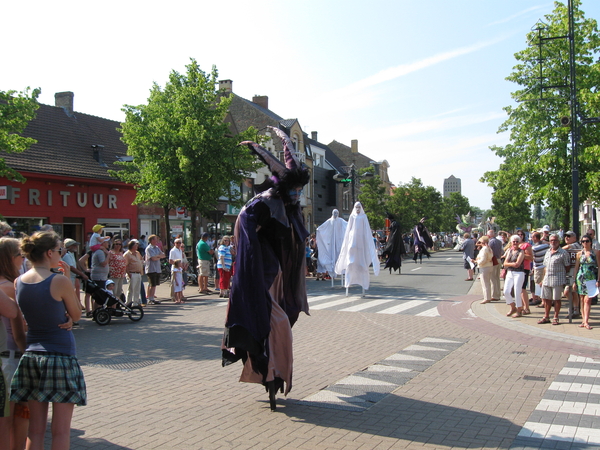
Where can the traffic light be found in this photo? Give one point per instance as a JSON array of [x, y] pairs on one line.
[[343, 178]]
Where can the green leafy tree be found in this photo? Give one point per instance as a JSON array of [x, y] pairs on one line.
[[183, 152], [537, 162], [374, 198], [511, 209], [412, 201], [453, 205], [17, 109]]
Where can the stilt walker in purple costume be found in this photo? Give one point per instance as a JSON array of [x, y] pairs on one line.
[[421, 241], [268, 291]]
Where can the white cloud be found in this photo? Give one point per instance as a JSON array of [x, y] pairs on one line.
[[405, 69], [519, 14]]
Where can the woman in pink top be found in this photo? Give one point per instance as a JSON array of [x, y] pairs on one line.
[[117, 266], [527, 248]]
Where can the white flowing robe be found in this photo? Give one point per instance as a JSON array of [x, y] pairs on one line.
[[358, 250], [330, 237]]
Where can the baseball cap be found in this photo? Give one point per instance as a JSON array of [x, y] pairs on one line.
[[96, 228], [108, 283], [546, 228], [69, 242], [570, 233]]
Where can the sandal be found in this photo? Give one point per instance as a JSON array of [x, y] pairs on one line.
[[555, 321], [543, 320], [516, 315], [511, 312], [526, 311]]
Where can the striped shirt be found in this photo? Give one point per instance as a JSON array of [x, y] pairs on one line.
[[225, 260], [539, 250]]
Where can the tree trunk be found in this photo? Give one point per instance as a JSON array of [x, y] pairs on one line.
[[166, 209], [193, 215]]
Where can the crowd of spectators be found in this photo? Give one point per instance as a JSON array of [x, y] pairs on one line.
[[540, 269]]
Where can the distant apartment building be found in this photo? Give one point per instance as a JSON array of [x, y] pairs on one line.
[[451, 184]]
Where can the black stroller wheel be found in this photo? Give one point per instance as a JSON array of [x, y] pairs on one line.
[[136, 314], [102, 317]]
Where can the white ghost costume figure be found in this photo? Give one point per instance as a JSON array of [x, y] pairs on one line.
[[330, 237], [358, 250]]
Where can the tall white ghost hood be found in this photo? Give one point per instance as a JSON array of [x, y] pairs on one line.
[[330, 237], [358, 250]]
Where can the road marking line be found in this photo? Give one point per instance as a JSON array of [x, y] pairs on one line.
[[403, 307], [403, 357], [433, 312], [365, 305], [574, 387], [580, 372], [335, 303], [418, 268], [417, 347], [319, 298]]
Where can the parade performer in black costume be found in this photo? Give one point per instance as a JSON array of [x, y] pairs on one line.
[[394, 247], [421, 241], [268, 291]]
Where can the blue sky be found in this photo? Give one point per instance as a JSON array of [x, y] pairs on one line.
[[420, 84]]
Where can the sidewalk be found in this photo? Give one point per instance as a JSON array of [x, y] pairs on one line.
[[496, 312], [471, 378]]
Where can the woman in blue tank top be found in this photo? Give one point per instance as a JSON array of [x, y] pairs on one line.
[[48, 372]]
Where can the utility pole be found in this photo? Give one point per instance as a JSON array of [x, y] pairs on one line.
[[574, 122]]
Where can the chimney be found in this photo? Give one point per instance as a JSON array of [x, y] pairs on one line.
[[354, 145], [313, 135], [65, 101], [98, 150], [261, 100], [226, 85]]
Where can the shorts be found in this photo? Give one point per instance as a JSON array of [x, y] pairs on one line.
[[48, 377], [467, 265], [204, 266], [552, 292], [154, 279]]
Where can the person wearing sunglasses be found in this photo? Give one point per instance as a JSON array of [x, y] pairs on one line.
[[527, 249], [117, 266], [514, 258], [572, 246], [586, 270]]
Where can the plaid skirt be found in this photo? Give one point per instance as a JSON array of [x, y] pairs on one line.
[[4, 403], [48, 377]]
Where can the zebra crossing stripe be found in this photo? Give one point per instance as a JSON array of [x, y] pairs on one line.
[[569, 407], [335, 303], [403, 307], [361, 390], [366, 305], [433, 312]]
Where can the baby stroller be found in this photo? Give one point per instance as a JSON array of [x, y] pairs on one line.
[[110, 306]]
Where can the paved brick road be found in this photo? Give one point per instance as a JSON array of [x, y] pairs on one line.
[[159, 384]]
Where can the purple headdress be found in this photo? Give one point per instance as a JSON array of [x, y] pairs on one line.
[[292, 173], [289, 152]]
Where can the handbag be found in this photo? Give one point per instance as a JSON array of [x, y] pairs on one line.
[[494, 261], [503, 273]]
